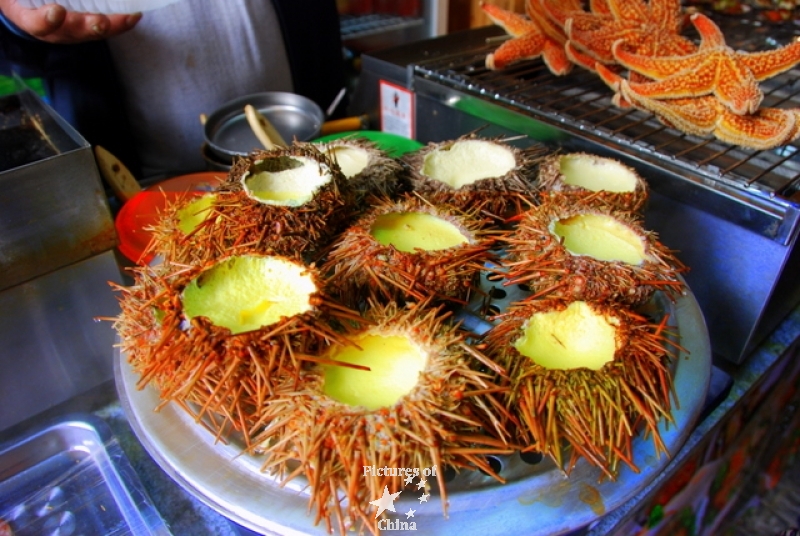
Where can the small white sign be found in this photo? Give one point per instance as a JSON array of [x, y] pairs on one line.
[[397, 110]]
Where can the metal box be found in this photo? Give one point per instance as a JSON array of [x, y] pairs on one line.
[[57, 257], [53, 207]]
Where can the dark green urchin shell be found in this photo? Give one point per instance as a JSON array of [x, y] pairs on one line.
[[369, 170], [251, 212], [594, 412], [596, 179], [476, 174], [206, 369], [543, 260], [452, 417], [359, 267]]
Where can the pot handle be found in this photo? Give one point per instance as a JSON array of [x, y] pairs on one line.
[[345, 124]]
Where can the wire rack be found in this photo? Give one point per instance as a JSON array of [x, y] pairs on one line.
[[582, 103]]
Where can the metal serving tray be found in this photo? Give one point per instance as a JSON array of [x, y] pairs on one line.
[[537, 500], [72, 477]]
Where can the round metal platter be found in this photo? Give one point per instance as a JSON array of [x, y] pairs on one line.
[[537, 499]]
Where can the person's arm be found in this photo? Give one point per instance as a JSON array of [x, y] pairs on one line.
[[52, 23]]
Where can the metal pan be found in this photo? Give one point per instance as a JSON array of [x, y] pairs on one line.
[[72, 477], [228, 134]]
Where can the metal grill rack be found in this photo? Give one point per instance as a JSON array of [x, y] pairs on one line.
[[354, 26]]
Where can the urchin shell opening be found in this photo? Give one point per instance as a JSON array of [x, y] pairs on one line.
[[571, 338], [395, 362], [290, 181], [351, 159], [249, 292], [597, 174], [468, 161], [411, 231], [195, 212], [602, 237]]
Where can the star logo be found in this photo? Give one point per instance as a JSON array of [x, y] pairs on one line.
[[422, 499], [409, 479], [410, 513], [421, 484], [386, 502]]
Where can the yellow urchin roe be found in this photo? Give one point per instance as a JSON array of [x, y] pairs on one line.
[[395, 363], [468, 161], [293, 183], [248, 293], [576, 337], [195, 212], [409, 231], [597, 174], [351, 160], [601, 237]]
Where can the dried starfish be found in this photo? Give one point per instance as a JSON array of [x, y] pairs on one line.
[[528, 40], [553, 28], [651, 29], [714, 68], [766, 128]]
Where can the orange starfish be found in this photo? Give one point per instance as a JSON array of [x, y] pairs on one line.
[[647, 28], [766, 129], [706, 116], [714, 68], [552, 28], [530, 38]]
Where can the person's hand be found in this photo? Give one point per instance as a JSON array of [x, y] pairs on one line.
[[54, 24]]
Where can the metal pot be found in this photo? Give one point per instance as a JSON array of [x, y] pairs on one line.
[[228, 134]]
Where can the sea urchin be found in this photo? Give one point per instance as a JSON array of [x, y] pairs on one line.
[[475, 174], [584, 375], [600, 180], [408, 250], [580, 251], [216, 339], [422, 404]]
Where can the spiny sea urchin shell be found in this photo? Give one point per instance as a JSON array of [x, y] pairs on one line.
[[370, 171], [408, 250], [581, 251], [331, 427], [600, 180], [216, 338], [476, 174], [286, 201], [584, 375]]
